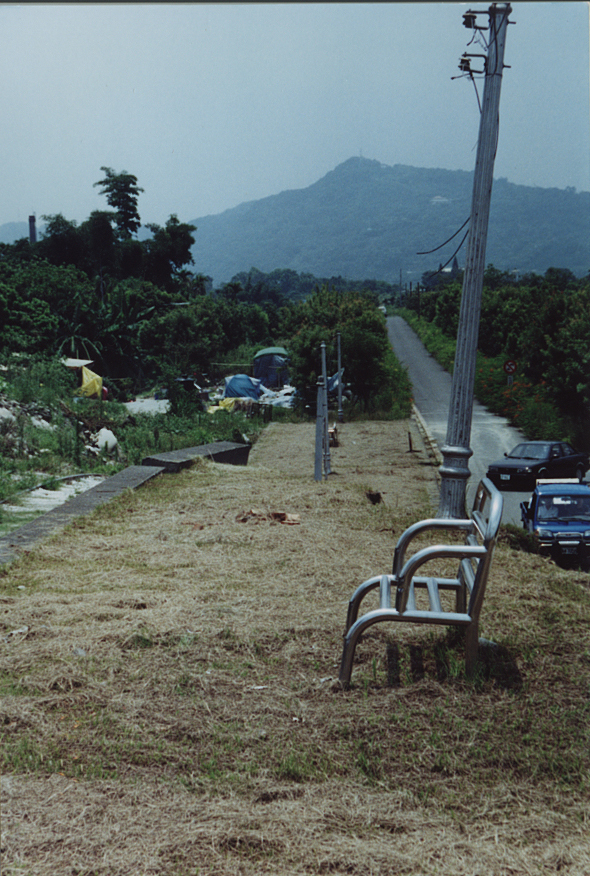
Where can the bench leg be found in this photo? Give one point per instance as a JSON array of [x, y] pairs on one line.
[[353, 635], [357, 597]]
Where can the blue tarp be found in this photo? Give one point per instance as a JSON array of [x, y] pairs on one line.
[[242, 386], [333, 381]]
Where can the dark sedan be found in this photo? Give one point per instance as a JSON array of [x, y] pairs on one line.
[[530, 460]]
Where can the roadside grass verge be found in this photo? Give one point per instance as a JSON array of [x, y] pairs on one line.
[[171, 669], [526, 405]]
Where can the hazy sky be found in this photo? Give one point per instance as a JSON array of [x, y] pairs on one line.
[[210, 105]]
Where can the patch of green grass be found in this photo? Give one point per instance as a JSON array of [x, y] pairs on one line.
[[369, 758], [10, 687], [27, 755], [142, 639], [519, 539], [296, 766]]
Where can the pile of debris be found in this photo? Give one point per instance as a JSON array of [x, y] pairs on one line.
[[14, 416], [19, 419]]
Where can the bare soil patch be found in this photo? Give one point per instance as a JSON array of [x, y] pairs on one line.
[[170, 703]]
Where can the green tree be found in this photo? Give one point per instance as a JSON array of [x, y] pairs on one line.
[[26, 325], [377, 381], [64, 292], [506, 314], [62, 242], [186, 338], [122, 192], [100, 246], [167, 252]]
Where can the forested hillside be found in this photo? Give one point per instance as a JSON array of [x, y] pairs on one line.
[[367, 219]]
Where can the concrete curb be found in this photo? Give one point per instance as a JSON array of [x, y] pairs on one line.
[[20, 540], [27, 536], [226, 452], [429, 442]]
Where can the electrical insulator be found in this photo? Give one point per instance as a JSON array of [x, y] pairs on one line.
[[465, 64], [469, 20]]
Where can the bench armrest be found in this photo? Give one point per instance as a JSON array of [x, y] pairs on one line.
[[440, 524], [437, 551]]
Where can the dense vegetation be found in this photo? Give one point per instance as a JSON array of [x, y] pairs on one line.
[[540, 322], [378, 382], [135, 309]]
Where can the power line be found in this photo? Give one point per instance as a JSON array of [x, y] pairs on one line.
[[428, 251], [442, 267]]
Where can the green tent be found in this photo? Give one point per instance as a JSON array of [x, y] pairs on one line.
[[270, 366]]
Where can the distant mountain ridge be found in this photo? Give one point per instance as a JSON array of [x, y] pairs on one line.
[[13, 231], [368, 220], [365, 219]]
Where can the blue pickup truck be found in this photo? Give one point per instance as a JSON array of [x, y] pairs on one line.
[[558, 513]]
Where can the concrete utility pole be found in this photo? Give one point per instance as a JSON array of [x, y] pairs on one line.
[[322, 435], [456, 451]]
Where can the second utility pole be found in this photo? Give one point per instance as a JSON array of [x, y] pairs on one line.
[[456, 451]]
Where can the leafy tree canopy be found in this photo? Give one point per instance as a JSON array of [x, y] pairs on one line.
[[167, 251], [122, 192], [371, 370]]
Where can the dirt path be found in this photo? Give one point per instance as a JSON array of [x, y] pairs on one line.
[[387, 457]]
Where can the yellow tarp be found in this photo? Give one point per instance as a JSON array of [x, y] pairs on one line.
[[91, 384], [224, 404]]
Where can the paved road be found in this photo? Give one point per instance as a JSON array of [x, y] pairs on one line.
[[491, 436]]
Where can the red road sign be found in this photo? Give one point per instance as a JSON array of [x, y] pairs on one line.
[[510, 366]]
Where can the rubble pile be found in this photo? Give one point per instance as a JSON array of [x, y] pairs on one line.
[[18, 420]]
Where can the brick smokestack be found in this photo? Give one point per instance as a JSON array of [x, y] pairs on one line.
[[32, 229]]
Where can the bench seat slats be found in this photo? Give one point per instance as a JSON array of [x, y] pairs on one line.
[[433, 595], [433, 617]]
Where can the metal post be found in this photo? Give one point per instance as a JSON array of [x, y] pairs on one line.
[[456, 451], [340, 409], [327, 466], [319, 432]]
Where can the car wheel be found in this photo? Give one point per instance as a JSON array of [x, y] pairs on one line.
[[580, 473]]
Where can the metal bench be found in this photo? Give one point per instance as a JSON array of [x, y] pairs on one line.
[[475, 557]]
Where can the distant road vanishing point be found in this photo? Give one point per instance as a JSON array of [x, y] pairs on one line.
[[491, 435]]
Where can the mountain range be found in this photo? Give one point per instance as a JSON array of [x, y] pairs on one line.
[[365, 219]]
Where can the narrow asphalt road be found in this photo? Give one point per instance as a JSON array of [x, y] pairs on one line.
[[491, 436]]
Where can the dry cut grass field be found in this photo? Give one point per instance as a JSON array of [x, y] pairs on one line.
[[170, 703]]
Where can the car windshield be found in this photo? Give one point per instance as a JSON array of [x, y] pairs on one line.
[[564, 508], [529, 451]]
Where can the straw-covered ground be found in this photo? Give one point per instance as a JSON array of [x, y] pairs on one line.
[[170, 703]]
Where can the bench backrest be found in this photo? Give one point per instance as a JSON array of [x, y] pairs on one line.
[[486, 515], [475, 555]]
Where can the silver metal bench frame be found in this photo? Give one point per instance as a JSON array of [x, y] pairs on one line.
[[475, 557]]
